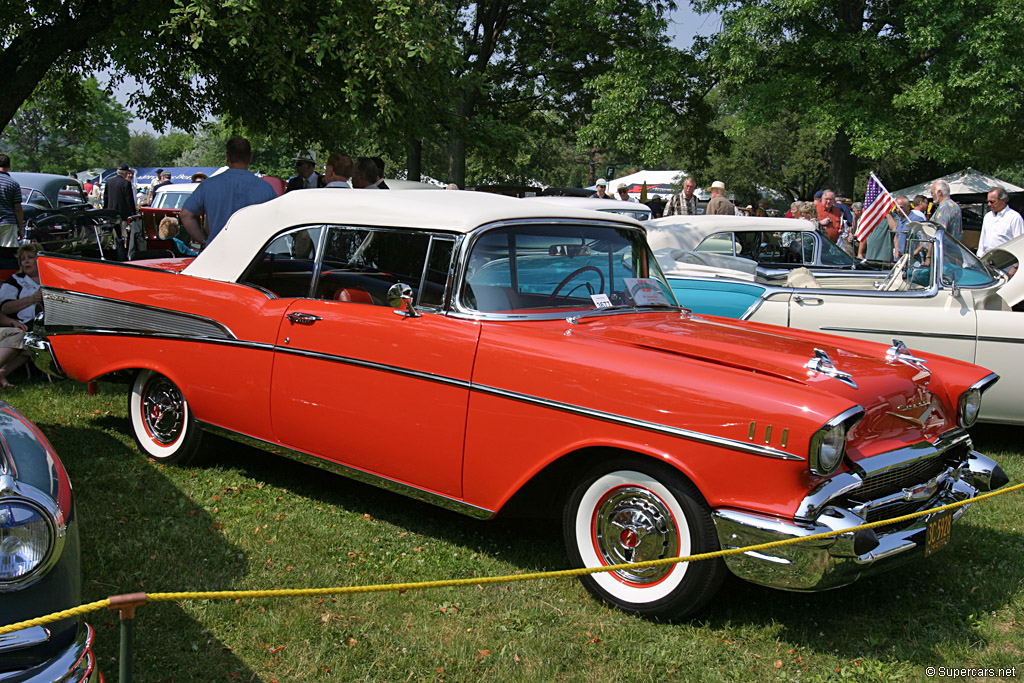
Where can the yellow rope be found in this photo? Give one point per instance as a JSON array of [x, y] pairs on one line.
[[422, 585]]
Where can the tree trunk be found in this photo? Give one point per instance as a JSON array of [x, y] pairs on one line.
[[844, 165], [457, 160], [414, 160], [30, 55]]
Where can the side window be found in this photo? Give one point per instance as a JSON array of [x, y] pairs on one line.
[[437, 272], [287, 265], [719, 243], [360, 265]]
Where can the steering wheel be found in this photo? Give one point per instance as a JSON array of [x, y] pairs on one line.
[[571, 276], [895, 280]]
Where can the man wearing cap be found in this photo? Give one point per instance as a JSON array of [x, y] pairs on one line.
[[305, 176], [221, 195], [162, 178], [623, 192], [684, 203], [719, 205], [119, 196], [602, 190]]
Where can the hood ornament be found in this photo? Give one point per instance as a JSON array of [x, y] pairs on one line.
[[822, 364], [899, 353]]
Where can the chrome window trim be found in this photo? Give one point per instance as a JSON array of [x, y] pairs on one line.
[[377, 480], [458, 310]]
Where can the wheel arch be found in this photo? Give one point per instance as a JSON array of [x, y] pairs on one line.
[[544, 494]]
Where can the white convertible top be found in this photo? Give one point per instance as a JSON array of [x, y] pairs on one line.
[[249, 229], [686, 232]]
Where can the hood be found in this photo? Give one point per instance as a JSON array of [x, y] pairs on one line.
[[1003, 257], [897, 396]]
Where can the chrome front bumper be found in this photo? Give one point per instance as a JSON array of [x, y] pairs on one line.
[[42, 353], [822, 564], [75, 664]]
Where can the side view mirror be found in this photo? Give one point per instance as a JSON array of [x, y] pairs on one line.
[[951, 283], [400, 298]]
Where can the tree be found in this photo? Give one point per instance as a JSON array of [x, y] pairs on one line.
[[45, 136], [886, 80]]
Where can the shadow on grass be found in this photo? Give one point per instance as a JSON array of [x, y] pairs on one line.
[[910, 613], [123, 505]]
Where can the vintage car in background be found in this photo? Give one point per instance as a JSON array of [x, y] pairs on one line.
[[634, 210], [59, 217], [770, 243], [40, 563], [169, 199], [413, 340], [968, 309]]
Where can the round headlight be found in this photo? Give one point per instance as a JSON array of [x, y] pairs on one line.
[[829, 447], [25, 540], [970, 406]]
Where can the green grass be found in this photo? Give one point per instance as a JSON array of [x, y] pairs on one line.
[[245, 520]]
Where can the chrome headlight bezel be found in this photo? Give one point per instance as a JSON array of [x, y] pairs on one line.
[[968, 407], [828, 444], [44, 522]]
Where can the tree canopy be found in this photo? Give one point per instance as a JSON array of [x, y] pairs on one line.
[[886, 80]]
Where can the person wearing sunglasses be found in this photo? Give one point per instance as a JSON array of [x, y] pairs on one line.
[[1000, 224]]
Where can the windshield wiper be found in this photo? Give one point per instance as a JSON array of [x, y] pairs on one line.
[[622, 308]]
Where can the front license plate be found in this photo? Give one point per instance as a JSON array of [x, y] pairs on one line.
[[940, 528]]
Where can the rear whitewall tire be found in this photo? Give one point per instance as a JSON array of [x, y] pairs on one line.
[[630, 511], [162, 420]]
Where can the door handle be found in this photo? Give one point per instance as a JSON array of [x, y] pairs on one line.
[[809, 300], [303, 318]]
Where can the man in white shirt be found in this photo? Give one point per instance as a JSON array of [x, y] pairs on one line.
[[1000, 224]]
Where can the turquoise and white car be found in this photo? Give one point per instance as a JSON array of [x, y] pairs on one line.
[[969, 309]]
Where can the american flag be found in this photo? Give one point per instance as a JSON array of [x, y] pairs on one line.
[[877, 203]]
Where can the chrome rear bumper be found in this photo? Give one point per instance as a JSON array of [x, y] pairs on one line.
[[42, 353]]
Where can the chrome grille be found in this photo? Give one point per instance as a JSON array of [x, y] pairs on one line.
[[898, 478]]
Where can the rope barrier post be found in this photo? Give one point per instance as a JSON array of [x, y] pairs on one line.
[[125, 605]]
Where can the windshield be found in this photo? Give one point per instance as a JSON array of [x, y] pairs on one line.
[[960, 265], [539, 267]]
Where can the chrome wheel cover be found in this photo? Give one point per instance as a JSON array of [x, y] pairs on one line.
[[633, 524], [163, 411]]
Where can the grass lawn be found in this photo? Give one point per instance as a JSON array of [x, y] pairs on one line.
[[244, 520]]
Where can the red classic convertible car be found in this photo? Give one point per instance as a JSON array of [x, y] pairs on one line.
[[490, 354]]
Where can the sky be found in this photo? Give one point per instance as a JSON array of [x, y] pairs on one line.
[[684, 25]]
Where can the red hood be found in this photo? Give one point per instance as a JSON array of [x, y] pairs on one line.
[[899, 400]]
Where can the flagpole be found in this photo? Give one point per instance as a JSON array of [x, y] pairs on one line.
[[898, 207]]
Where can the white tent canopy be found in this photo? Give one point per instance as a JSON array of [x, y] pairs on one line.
[[965, 182], [660, 179]]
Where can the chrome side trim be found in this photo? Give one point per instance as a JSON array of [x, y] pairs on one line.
[[69, 309], [902, 333], [372, 365], [765, 451], [641, 424], [437, 499]]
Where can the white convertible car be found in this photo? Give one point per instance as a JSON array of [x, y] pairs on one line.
[[969, 309]]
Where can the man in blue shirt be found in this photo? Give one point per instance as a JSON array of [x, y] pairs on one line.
[[11, 217], [221, 195]]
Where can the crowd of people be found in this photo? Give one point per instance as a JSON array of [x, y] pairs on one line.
[[838, 219]]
